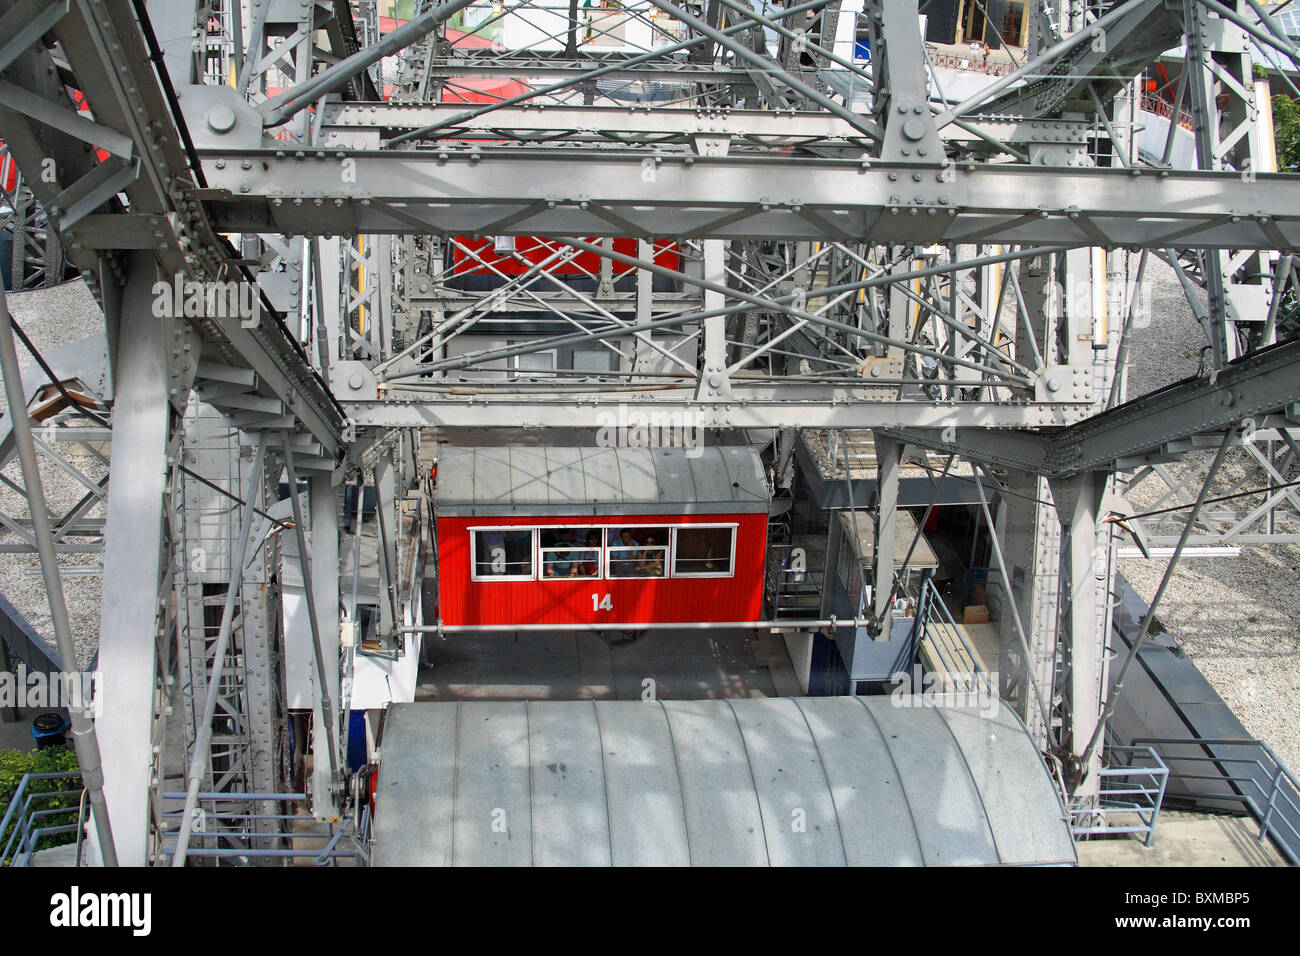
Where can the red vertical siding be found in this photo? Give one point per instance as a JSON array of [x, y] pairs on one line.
[[634, 600]]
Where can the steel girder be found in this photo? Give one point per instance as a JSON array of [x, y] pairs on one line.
[[469, 191], [1256, 386], [137, 121]]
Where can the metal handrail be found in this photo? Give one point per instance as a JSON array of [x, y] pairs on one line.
[[778, 576], [23, 813], [1128, 797], [1270, 821], [934, 612]]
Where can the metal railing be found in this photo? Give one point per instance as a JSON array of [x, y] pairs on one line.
[[970, 64], [228, 834], [1259, 781], [788, 588], [41, 815], [948, 645], [1154, 104], [1130, 791]]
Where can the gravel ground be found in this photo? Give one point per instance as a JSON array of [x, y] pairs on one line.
[[53, 318], [1238, 618]]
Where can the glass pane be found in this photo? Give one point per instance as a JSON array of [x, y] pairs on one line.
[[593, 360], [535, 363], [703, 551], [638, 552], [502, 552], [571, 553]]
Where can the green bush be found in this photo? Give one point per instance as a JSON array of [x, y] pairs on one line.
[[14, 765], [1286, 131]]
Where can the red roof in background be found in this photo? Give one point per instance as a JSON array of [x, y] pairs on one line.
[[481, 89], [469, 41], [457, 37]]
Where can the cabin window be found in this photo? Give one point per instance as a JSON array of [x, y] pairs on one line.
[[502, 554], [640, 552], [587, 552], [703, 552], [535, 364], [571, 552], [593, 360]]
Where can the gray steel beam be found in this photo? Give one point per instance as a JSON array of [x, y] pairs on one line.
[[134, 540], [109, 59], [1078, 500], [471, 191], [1252, 387], [343, 121], [790, 406]]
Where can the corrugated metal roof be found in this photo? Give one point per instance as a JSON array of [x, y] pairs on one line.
[[524, 480], [779, 781]]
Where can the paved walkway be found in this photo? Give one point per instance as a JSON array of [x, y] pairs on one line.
[[1187, 839]]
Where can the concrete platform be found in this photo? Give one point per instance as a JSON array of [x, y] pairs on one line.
[[581, 666], [1187, 839]]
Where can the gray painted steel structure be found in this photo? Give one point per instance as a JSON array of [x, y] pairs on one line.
[[809, 293]]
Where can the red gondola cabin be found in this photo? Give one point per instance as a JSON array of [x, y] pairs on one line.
[[616, 537]]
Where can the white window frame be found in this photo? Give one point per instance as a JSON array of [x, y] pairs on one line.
[[600, 552], [604, 559], [473, 553], [731, 573], [609, 562]]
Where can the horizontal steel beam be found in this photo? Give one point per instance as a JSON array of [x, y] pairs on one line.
[[549, 192], [343, 120], [1252, 387], [789, 406], [528, 69]]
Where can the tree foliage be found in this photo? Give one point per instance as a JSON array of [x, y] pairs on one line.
[[1286, 131]]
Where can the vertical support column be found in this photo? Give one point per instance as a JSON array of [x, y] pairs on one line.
[[264, 677], [385, 495], [714, 383], [133, 562], [1031, 537], [1077, 501], [323, 499], [644, 307], [889, 454]]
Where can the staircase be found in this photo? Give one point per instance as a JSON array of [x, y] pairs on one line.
[[795, 565]]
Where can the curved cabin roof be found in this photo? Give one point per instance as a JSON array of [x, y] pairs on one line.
[[527, 480], [823, 781]]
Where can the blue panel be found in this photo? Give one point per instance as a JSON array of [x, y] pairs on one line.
[[356, 739]]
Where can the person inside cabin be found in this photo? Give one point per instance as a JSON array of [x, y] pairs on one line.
[[623, 559], [589, 563], [652, 558], [560, 563]]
